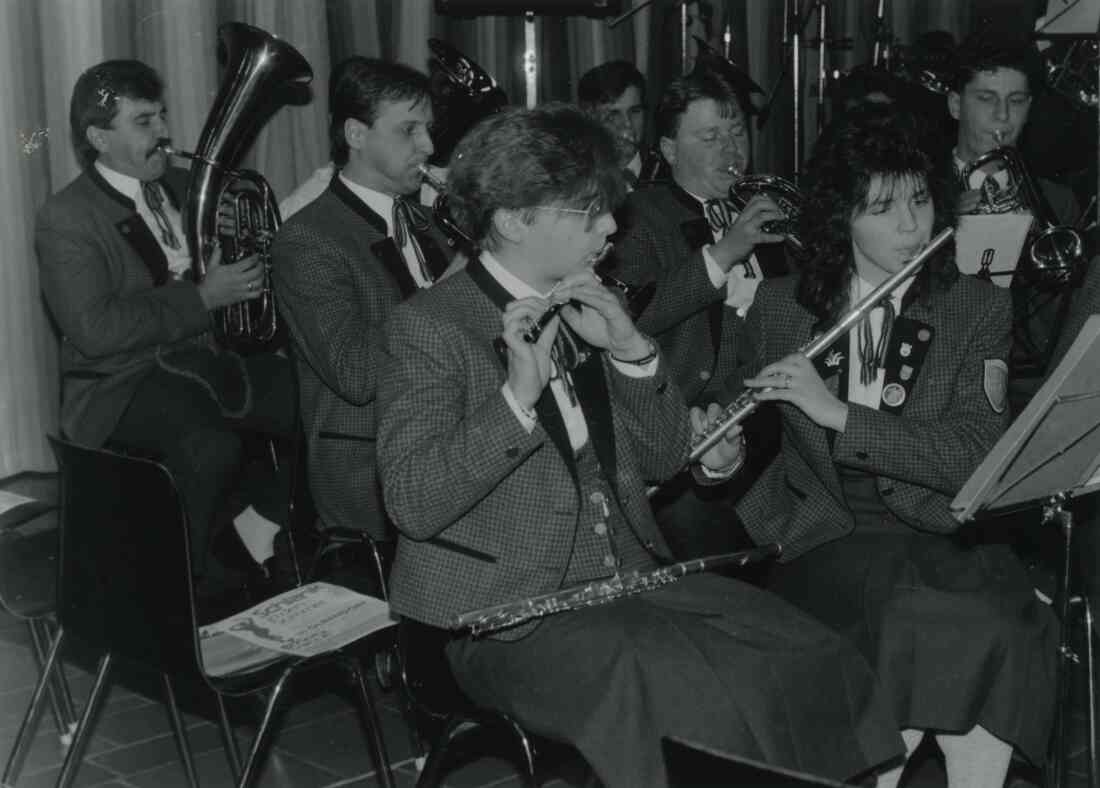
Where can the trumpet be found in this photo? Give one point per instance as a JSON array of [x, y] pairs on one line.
[[442, 211], [782, 192], [1055, 251], [740, 409]]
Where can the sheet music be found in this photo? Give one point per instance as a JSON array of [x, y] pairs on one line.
[[1070, 17], [302, 622], [989, 245]]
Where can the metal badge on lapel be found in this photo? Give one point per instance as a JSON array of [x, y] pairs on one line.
[[909, 343]]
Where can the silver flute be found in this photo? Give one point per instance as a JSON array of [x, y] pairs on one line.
[[599, 592], [738, 410]]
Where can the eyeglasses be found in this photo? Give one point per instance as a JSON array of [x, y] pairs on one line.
[[593, 212]]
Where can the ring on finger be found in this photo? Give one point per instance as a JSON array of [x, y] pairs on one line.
[[787, 381], [251, 286]]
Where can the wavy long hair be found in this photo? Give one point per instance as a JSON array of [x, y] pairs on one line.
[[869, 140]]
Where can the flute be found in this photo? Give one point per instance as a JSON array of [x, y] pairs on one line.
[[534, 331], [738, 410]]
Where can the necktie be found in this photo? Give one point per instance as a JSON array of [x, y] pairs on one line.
[[407, 221], [720, 216], [871, 355], [155, 200]]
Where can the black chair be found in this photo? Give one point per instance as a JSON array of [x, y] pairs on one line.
[[452, 719], [28, 581], [692, 765], [125, 589]]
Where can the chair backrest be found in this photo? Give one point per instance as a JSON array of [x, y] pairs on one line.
[[124, 581]]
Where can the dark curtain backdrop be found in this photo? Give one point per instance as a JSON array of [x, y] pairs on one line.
[[48, 43]]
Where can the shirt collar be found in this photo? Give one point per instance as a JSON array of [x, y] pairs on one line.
[[381, 204], [635, 165], [126, 185], [506, 279]]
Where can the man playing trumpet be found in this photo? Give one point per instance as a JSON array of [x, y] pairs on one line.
[[515, 468]]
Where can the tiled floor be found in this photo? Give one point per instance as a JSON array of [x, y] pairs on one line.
[[318, 743]]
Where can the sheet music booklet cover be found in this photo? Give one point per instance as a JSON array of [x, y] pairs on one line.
[[989, 245], [302, 622]]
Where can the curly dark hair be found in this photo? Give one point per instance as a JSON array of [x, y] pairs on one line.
[[555, 154], [869, 140], [986, 50]]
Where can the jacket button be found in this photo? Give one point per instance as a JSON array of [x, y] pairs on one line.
[[600, 528], [662, 387], [609, 561], [511, 452], [704, 374]]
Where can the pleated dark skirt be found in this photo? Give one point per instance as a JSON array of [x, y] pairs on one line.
[[709, 659], [954, 632]]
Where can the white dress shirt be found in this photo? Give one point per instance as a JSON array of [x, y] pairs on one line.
[[870, 394], [382, 204], [571, 412], [179, 260], [740, 287]]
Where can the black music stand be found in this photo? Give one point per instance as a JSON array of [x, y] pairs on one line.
[[692, 765], [1051, 455]]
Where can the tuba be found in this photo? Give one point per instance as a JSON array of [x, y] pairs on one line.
[[783, 193], [256, 65], [1055, 252]]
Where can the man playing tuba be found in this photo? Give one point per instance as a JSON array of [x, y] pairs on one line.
[[138, 368]]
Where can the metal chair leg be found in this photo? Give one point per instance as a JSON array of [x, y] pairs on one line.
[[179, 731], [369, 715], [431, 774], [61, 702], [27, 728], [229, 739], [527, 754], [80, 738], [1090, 672], [260, 740]]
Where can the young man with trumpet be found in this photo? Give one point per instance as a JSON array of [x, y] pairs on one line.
[[343, 263], [706, 261], [995, 84], [514, 468], [139, 368]]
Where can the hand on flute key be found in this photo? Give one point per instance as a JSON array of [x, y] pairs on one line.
[[528, 362], [726, 454], [794, 379]]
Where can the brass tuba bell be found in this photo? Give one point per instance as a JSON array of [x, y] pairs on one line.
[[782, 192], [257, 65]]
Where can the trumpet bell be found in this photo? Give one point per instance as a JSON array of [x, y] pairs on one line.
[[782, 192]]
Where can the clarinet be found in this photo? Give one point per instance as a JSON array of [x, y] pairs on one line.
[[599, 592]]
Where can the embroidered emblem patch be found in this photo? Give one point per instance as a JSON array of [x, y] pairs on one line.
[[893, 394], [906, 350], [995, 383], [905, 372], [834, 359]]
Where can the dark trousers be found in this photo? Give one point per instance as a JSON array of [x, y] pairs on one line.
[[175, 419]]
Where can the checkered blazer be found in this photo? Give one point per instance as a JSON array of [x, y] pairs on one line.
[[662, 233], [337, 278], [486, 512], [921, 457]]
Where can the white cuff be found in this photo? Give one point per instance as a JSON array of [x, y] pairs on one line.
[[526, 418], [714, 271]]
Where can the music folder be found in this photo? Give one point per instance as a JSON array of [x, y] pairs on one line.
[[1052, 447], [989, 245]]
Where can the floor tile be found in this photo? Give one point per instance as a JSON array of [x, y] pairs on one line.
[[158, 751], [279, 770], [339, 743]]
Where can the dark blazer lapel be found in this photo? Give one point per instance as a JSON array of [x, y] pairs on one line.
[[384, 249], [134, 230], [697, 234], [546, 408], [910, 339], [590, 383]]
